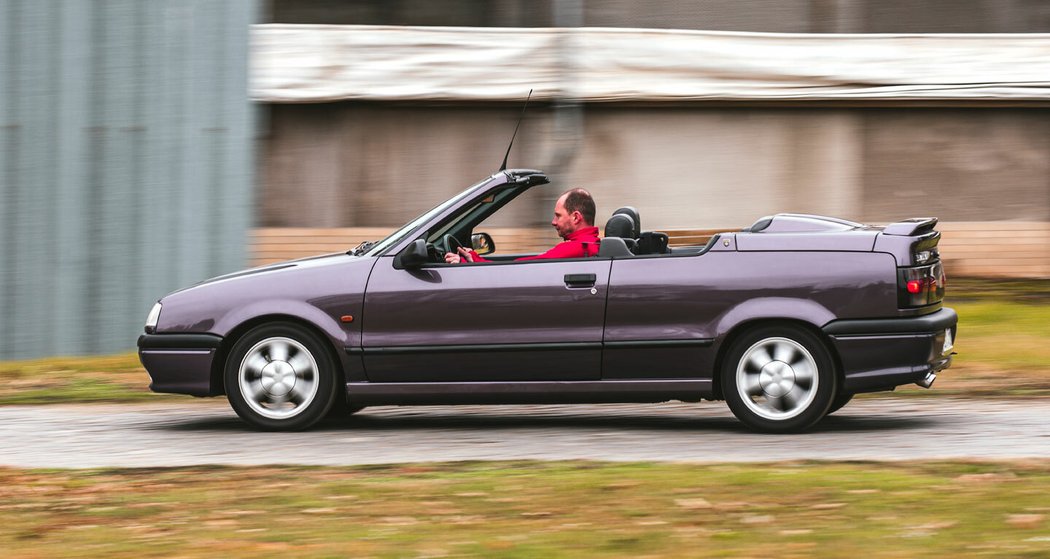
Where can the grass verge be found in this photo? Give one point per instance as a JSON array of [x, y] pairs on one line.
[[64, 380], [530, 509], [1003, 351]]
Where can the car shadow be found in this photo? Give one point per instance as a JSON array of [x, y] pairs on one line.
[[403, 419], [856, 423]]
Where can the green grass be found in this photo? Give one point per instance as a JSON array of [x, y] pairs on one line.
[[529, 509], [1003, 350], [60, 380], [982, 289], [1008, 335]]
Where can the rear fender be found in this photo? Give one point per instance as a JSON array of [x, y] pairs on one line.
[[772, 308], [764, 311]]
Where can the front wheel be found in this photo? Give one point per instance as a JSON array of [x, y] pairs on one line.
[[779, 379], [280, 377]]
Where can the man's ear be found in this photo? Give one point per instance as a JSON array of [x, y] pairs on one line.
[[577, 217]]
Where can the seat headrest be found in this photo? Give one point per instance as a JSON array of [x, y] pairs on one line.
[[620, 225], [613, 247], [633, 213]]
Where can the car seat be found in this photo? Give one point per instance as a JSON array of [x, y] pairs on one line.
[[621, 226], [645, 242], [636, 220]]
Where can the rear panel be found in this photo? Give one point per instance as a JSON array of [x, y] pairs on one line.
[[920, 274]]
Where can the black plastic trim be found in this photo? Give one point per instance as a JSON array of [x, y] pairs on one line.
[[759, 225], [629, 344], [524, 392], [580, 280], [911, 227], [944, 318], [632, 344], [179, 341], [880, 380], [402, 350]]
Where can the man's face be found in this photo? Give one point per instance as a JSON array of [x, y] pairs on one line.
[[565, 222]]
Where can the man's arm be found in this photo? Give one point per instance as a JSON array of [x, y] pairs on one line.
[[564, 249], [462, 255]]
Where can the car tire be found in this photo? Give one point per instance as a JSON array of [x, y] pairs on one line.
[[839, 402], [281, 377], [779, 379], [341, 408]]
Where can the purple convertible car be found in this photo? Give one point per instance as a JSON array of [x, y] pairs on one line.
[[785, 320]]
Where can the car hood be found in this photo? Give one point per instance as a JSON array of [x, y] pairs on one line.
[[297, 288], [308, 262]]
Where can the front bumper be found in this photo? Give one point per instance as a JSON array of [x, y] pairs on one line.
[[881, 354], [180, 363]]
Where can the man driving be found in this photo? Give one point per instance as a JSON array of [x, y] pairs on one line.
[[573, 219]]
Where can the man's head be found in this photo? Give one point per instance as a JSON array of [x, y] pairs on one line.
[[574, 210]]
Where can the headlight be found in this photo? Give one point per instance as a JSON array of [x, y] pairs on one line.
[[152, 318]]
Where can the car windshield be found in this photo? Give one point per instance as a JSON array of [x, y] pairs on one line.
[[396, 236]]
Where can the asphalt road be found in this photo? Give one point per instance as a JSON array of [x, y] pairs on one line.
[[208, 432]]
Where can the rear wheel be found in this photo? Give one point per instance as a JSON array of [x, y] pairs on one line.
[[279, 376], [839, 402], [779, 379]]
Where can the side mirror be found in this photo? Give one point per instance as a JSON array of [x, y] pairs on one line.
[[414, 256], [482, 243]]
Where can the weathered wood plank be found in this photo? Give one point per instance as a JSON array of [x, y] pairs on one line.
[[988, 249]]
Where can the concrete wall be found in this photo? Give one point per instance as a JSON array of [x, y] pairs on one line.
[[688, 166], [349, 164], [378, 165], [969, 164]]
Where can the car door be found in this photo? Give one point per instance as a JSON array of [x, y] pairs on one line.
[[513, 321], [661, 315]]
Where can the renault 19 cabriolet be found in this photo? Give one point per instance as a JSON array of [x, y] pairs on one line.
[[785, 320]]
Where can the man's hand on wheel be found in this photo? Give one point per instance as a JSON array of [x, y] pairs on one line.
[[463, 255]]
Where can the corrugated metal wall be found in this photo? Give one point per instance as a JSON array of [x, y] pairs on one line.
[[126, 142]]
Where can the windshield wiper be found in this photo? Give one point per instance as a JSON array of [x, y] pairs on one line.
[[361, 248]]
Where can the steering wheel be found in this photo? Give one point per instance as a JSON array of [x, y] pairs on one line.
[[435, 254], [451, 244]]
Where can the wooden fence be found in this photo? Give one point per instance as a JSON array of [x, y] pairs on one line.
[[971, 249]]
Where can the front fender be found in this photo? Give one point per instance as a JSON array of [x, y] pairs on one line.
[[299, 309]]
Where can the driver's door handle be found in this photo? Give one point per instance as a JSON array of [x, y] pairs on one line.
[[580, 280]]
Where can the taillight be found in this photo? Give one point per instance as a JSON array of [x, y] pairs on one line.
[[921, 286]]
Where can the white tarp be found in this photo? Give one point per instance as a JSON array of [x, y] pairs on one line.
[[318, 63]]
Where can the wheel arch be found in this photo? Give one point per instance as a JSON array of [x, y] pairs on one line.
[[742, 328], [218, 368]]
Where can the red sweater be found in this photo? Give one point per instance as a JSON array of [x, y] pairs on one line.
[[571, 247]]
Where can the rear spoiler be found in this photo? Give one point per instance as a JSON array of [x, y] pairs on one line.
[[911, 227]]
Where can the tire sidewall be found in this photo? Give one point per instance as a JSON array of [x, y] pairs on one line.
[[326, 377], [827, 379], [840, 402]]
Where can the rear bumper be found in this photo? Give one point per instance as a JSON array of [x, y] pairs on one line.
[[880, 354], [179, 363]]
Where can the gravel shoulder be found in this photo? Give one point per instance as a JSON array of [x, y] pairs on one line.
[[201, 433]]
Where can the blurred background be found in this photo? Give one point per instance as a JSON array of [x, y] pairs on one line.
[[145, 146]]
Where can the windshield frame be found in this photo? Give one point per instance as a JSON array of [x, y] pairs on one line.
[[408, 229]]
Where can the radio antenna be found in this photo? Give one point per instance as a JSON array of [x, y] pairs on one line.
[[504, 166]]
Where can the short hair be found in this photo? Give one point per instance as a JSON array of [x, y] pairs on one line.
[[579, 200]]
